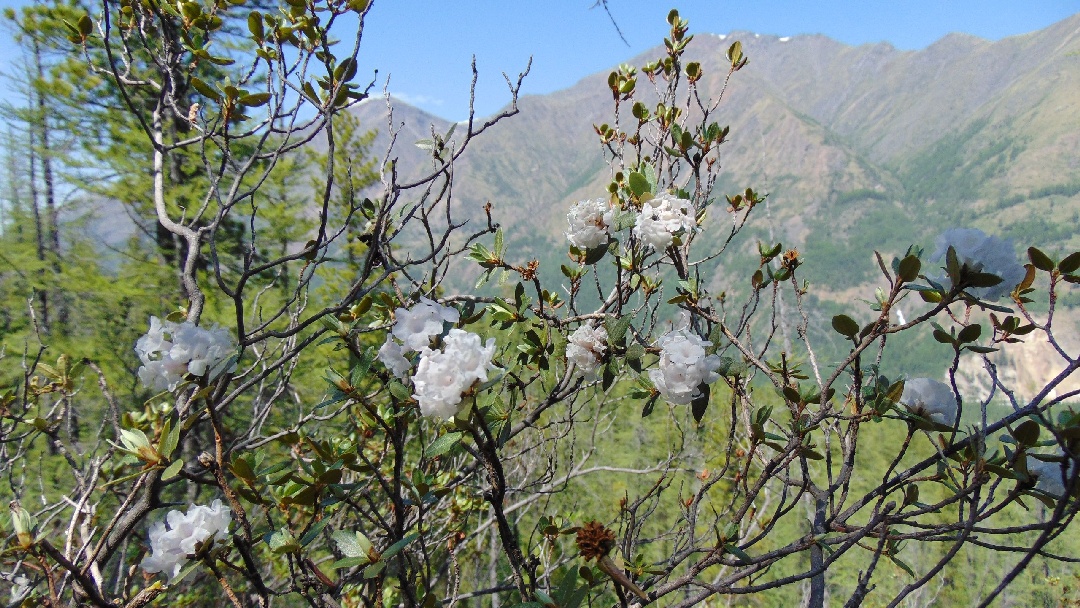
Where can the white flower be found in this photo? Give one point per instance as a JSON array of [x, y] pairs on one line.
[[661, 218], [20, 588], [590, 223], [392, 356], [417, 325], [171, 548], [982, 253], [443, 375], [1048, 476], [170, 350], [683, 366], [930, 399], [585, 347]]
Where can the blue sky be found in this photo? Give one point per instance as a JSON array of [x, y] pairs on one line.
[[425, 46]]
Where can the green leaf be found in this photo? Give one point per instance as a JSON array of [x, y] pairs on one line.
[[443, 444], [845, 326], [283, 541], [649, 405], [399, 391], [393, 549], [983, 279], [205, 90], [902, 565], [254, 100], [172, 470], [170, 437], [242, 469], [374, 569], [349, 562], [1027, 433], [639, 184], [353, 544], [1070, 264], [734, 53], [701, 402], [734, 549], [969, 334], [616, 328], [314, 531], [1040, 260], [792, 394], [909, 268], [595, 254], [943, 337], [255, 25], [86, 26]]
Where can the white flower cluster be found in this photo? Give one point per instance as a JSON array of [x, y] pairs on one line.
[[1048, 476], [585, 347], [930, 399], [443, 375], [590, 223], [20, 588], [171, 548], [683, 366], [414, 327], [171, 350], [983, 253], [661, 218]]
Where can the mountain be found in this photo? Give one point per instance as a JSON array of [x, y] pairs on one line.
[[860, 148]]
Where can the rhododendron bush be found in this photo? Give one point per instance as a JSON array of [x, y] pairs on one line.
[[331, 423]]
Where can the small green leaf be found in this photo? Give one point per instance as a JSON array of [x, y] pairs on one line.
[[443, 444], [639, 184], [399, 391], [701, 402], [1040, 260], [595, 254], [349, 562], [170, 437], [314, 531], [254, 100], [172, 470], [205, 90], [283, 541], [845, 326], [1070, 264], [393, 549], [1027, 433], [616, 328], [969, 334], [255, 25], [353, 544], [909, 268]]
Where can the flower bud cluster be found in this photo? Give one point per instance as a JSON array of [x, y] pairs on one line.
[[585, 347], [170, 350], [684, 366], [414, 328], [930, 399], [442, 376], [590, 223], [171, 548], [982, 253], [662, 218]]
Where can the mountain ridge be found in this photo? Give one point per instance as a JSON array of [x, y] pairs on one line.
[[858, 146]]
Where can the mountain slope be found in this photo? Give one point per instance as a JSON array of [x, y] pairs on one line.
[[860, 148]]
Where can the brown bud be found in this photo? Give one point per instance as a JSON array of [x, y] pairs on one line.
[[595, 540]]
